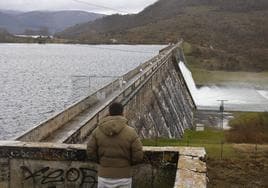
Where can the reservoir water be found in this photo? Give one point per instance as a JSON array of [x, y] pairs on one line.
[[38, 81]]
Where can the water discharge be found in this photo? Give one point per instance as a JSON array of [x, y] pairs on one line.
[[263, 93], [238, 98]]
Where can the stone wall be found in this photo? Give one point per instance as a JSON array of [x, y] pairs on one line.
[[46, 165]]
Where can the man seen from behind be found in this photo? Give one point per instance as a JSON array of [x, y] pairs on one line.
[[116, 147]]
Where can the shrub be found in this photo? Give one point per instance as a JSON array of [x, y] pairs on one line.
[[249, 128]]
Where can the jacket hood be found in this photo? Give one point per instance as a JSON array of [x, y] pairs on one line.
[[112, 125]]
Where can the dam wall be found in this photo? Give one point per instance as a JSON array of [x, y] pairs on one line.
[[162, 106], [156, 99]]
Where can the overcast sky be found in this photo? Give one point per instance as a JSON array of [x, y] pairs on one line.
[[100, 6]]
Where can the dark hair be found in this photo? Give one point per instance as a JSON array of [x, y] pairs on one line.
[[116, 109]]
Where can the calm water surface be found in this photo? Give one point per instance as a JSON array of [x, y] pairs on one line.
[[38, 81]]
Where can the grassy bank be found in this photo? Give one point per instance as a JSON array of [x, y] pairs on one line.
[[229, 164], [248, 128], [213, 141]]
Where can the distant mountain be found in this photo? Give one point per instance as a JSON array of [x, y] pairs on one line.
[[43, 21], [9, 22], [12, 12], [230, 34]]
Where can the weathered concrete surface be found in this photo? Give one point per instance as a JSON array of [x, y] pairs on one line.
[[193, 152], [190, 179], [163, 107], [192, 164], [29, 165], [192, 170], [198, 152], [43, 174]]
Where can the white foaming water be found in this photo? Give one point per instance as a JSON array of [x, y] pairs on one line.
[[239, 98], [263, 93]]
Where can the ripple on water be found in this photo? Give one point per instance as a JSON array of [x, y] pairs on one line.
[[37, 80]]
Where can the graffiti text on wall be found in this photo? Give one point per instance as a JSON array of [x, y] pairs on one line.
[[47, 175]]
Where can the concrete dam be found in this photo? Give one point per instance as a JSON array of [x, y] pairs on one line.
[[157, 103]]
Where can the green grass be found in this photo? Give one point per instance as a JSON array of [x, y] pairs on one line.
[[190, 137], [210, 139], [187, 48], [240, 163]]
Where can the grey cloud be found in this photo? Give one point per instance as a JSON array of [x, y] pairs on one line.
[[121, 5]]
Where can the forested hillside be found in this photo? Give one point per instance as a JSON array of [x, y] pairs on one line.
[[225, 34]]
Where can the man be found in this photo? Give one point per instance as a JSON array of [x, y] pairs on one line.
[[116, 147]]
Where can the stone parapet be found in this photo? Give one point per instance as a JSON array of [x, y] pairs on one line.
[[27, 165]]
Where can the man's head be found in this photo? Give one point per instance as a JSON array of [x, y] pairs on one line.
[[116, 109]]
